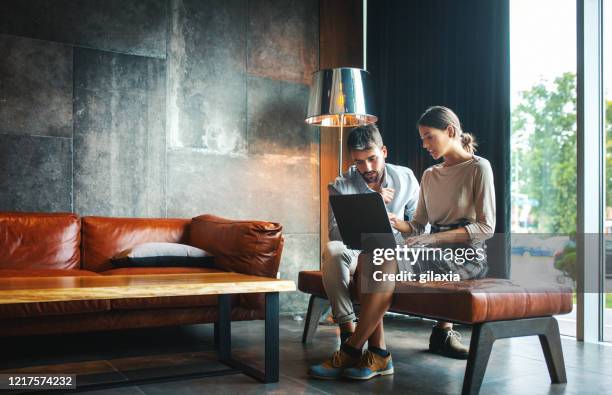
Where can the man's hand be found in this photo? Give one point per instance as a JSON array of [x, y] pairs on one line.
[[386, 193], [399, 224]]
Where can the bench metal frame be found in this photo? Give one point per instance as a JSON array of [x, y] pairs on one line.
[[483, 336]]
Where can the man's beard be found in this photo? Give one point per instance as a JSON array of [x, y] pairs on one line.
[[372, 177]]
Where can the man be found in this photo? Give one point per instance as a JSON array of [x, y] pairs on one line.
[[368, 174], [400, 190]]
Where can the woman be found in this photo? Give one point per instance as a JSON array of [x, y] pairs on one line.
[[457, 198]]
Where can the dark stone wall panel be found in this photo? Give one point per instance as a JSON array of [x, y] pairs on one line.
[[207, 75], [218, 87], [135, 27], [119, 135], [107, 71], [283, 39], [35, 87], [35, 173], [272, 187], [276, 118], [300, 252]]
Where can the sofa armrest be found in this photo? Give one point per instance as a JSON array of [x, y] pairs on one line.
[[248, 247]]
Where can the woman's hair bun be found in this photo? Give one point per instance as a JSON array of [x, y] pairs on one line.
[[468, 142]]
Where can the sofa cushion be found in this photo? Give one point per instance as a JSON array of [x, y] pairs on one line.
[[46, 273], [119, 319], [39, 241], [105, 237], [21, 310], [248, 247], [159, 270]]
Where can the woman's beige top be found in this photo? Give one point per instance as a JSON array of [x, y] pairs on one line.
[[450, 194]]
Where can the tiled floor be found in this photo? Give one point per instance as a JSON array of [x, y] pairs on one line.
[[516, 366]]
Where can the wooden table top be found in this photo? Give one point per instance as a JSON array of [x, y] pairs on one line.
[[54, 289]]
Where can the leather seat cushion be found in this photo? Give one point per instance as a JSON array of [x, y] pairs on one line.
[[476, 301], [311, 282], [468, 302]]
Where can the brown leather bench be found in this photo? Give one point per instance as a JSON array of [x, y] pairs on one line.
[[495, 309]]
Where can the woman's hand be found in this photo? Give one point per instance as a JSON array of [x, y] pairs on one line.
[[399, 224], [426, 239], [459, 235]]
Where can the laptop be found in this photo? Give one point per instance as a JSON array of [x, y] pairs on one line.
[[363, 221]]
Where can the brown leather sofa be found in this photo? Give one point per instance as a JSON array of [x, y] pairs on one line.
[[62, 244]]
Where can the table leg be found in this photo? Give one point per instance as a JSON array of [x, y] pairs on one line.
[[272, 338], [271, 358], [223, 327]]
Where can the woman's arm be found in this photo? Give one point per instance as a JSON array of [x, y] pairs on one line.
[[484, 206], [419, 220], [484, 203]]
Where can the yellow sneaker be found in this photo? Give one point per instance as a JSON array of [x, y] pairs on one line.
[[332, 368], [370, 365]]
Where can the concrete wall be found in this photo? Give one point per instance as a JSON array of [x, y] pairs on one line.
[[163, 108]]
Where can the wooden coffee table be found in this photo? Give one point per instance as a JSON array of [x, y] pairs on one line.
[[60, 289]]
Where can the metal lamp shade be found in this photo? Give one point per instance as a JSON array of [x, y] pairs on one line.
[[338, 98], [341, 97]]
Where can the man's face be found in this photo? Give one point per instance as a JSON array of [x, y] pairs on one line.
[[370, 163]]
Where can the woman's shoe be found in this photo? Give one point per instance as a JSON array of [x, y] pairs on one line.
[[445, 341], [370, 365], [332, 368]]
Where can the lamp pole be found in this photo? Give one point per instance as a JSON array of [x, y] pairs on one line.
[[340, 176]]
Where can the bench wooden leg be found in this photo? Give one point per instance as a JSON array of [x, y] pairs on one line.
[[315, 309], [484, 335], [551, 345], [481, 344]]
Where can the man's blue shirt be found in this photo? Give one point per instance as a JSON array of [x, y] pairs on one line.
[[400, 178]]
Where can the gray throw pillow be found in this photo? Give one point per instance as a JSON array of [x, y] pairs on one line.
[[163, 255]]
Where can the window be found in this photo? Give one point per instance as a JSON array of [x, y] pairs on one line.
[[543, 155], [607, 80]]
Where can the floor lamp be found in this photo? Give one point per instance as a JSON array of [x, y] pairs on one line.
[[340, 97]]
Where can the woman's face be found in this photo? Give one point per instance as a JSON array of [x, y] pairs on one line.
[[436, 141]]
